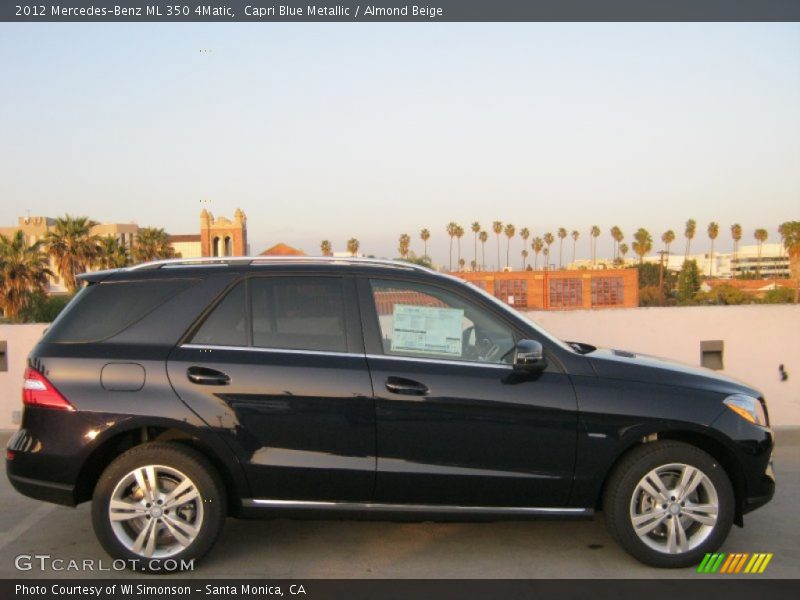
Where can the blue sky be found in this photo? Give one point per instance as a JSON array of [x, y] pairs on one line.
[[371, 130]]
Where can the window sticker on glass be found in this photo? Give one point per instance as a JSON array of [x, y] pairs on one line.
[[427, 329]]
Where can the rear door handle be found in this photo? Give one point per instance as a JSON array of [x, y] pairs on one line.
[[406, 387], [205, 376]]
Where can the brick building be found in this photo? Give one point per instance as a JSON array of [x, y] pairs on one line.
[[561, 289]]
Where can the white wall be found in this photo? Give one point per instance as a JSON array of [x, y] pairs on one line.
[[758, 338], [19, 341]]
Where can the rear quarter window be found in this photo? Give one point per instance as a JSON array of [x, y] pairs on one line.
[[104, 309]]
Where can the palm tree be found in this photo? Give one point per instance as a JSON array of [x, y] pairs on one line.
[[459, 235], [476, 229], [497, 227], [562, 234], [790, 233], [537, 244], [405, 244], [510, 230], [152, 243], [326, 248], [643, 243], [451, 229], [524, 258], [73, 247], [736, 234], [623, 250], [617, 236], [112, 253], [483, 237], [761, 236], [575, 235], [352, 246], [668, 237], [23, 272], [691, 229], [546, 255], [524, 233], [548, 240], [461, 264], [425, 235], [713, 232], [594, 232]]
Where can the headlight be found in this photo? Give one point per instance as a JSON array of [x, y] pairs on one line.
[[747, 407]]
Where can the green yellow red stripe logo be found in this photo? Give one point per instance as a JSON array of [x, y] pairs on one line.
[[735, 562]]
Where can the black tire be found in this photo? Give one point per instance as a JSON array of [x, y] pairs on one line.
[[188, 462], [621, 486]]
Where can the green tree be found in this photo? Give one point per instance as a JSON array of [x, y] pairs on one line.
[[548, 241], [713, 232], [112, 253], [425, 235], [152, 243], [23, 272], [790, 233], [575, 235], [459, 235], [73, 247], [688, 282], [497, 227], [476, 229], [617, 236], [451, 229], [352, 246], [779, 295], [510, 230], [761, 236], [594, 232], [562, 235], [326, 248], [689, 233], [43, 308], [643, 243], [536, 245], [736, 234], [404, 245], [668, 237], [623, 250], [723, 295]]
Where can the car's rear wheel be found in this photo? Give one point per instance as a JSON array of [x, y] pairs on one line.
[[669, 503], [158, 506]]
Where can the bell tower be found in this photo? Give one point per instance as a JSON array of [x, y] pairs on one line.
[[222, 237]]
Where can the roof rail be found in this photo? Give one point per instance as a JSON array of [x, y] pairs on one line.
[[211, 261]]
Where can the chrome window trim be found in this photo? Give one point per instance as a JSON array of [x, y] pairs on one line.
[[442, 361], [421, 508], [270, 350]]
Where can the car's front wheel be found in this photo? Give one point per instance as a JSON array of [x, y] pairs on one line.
[[669, 503], [159, 507]]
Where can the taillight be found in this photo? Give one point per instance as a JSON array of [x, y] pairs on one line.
[[38, 391]]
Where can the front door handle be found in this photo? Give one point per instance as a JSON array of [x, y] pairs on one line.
[[406, 387], [205, 376]]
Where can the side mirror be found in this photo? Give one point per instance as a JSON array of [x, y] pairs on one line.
[[529, 357]]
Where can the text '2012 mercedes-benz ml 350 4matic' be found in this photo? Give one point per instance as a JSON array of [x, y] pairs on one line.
[[177, 393]]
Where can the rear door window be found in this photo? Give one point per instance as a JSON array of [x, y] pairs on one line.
[[292, 313]]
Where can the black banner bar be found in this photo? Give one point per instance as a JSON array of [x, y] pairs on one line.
[[132, 11], [166, 588]]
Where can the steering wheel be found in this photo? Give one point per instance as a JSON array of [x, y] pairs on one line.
[[484, 349]]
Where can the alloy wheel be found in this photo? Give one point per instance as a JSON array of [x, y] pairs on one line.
[[156, 511], [674, 508]]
